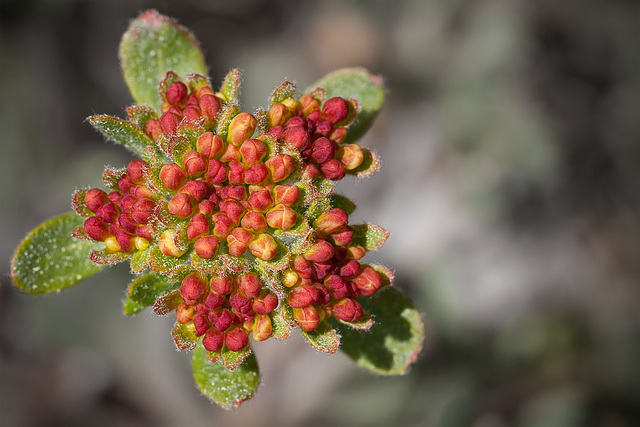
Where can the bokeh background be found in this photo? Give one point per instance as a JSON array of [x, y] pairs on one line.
[[510, 186]]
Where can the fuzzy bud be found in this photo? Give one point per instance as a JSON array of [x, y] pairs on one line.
[[278, 114], [184, 313], [368, 281], [136, 170], [198, 225], [168, 246], [321, 251], [192, 288], [241, 128], [238, 241], [266, 304], [221, 320], [142, 210], [356, 252], [350, 268], [254, 222], [94, 199], [308, 104], [221, 284], [307, 317], [107, 213], [333, 169], [280, 166], [125, 240], [172, 176], [302, 267], [209, 106], [260, 200], [96, 229], [210, 145], [286, 194], [240, 303], [177, 93], [232, 209], [194, 163], [337, 286], [302, 296], [206, 247], [201, 324], [236, 172], [198, 189], [350, 155], [264, 247], [262, 328], [222, 225], [335, 109], [250, 284], [236, 339], [331, 221], [127, 223], [181, 205], [347, 309], [256, 174], [213, 340], [169, 121], [343, 237], [216, 172], [252, 151], [282, 217], [322, 150], [153, 128], [297, 137], [213, 300]]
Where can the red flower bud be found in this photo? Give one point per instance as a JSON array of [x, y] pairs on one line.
[[127, 202], [240, 303], [264, 247], [236, 172], [350, 155], [127, 223], [216, 172], [322, 150], [94, 199], [236, 339], [347, 310], [198, 225], [142, 192], [302, 296], [145, 231], [125, 240], [194, 163], [181, 205], [241, 128], [125, 184], [256, 174], [221, 320], [210, 145], [350, 268], [310, 172], [213, 340], [335, 109], [281, 166], [96, 229], [221, 225], [337, 285], [252, 151], [107, 213], [321, 251], [266, 304], [308, 104], [339, 134], [209, 106], [342, 238], [254, 221], [206, 247], [201, 324], [331, 221], [169, 121], [282, 217], [221, 284], [368, 281], [297, 137], [356, 252], [238, 241], [333, 169], [136, 170], [278, 114], [230, 153], [286, 194], [303, 267], [142, 211], [307, 317], [232, 209], [262, 328], [153, 128], [323, 127], [250, 284], [206, 207], [184, 313], [191, 113], [177, 94], [172, 176], [193, 288], [260, 200], [115, 197]]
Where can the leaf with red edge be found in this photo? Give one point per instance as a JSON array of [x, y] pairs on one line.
[[323, 338]]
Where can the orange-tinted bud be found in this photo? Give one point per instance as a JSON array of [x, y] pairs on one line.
[[96, 229], [213, 340], [256, 174], [241, 128], [266, 304], [206, 207], [254, 222], [236, 339], [221, 225], [368, 281], [209, 106], [278, 114], [307, 317], [331, 221], [356, 252], [232, 209], [260, 200], [347, 309], [238, 241], [192, 288], [136, 170], [206, 247], [262, 328], [107, 213], [168, 246], [350, 155], [302, 266], [194, 163], [181, 205], [153, 128], [142, 211], [177, 94], [221, 320], [282, 217], [297, 137], [335, 109], [302, 296], [322, 150], [350, 268], [184, 313], [339, 134], [230, 153], [94, 199], [125, 240], [236, 172], [252, 151], [198, 225], [342, 238], [250, 284], [310, 172], [321, 251], [216, 172], [221, 284], [172, 176], [286, 194], [169, 121], [308, 104], [281, 166], [198, 189], [264, 247], [210, 145], [142, 192], [333, 169]]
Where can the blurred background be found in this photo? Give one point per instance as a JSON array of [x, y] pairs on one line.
[[510, 184]]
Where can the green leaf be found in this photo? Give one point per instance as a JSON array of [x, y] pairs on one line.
[[184, 335], [395, 340], [323, 338], [370, 164], [145, 290], [358, 83], [153, 45], [122, 132], [369, 236], [230, 86], [225, 387], [342, 202], [49, 259]]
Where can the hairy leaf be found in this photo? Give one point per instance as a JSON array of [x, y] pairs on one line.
[[323, 338], [369, 236], [145, 290], [122, 132]]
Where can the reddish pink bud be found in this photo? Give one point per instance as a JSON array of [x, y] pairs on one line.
[[241, 128], [331, 221], [307, 317], [184, 313], [254, 221], [339, 134], [342, 238], [236, 192], [127, 223], [107, 213], [210, 145], [322, 150], [206, 207], [350, 155], [206, 247], [169, 121], [321, 251], [194, 163], [308, 104], [115, 197], [221, 320], [236, 339], [181, 205], [177, 94], [232, 209], [96, 229], [125, 240], [209, 106], [168, 246], [198, 225], [142, 211], [94, 199], [172, 176], [213, 300], [335, 109], [192, 288], [142, 192], [136, 170], [217, 172], [266, 304], [230, 153], [323, 269], [153, 128], [302, 296], [236, 172], [350, 268], [145, 231], [262, 328], [256, 174], [286, 194], [281, 166], [310, 172], [221, 284], [337, 285], [356, 252], [368, 281], [125, 184], [282, 217], [221, 225], [297, 137], [264, 247], [240, 303], [252, 151], [260, 200], [238, 241], [213, 340], [198, 189], [323, 127], [347, 309], [278, 114], [127, 202], [276, 132], [333, 169], [250, 284], [302, 266], [201, 324], [191, 113]]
